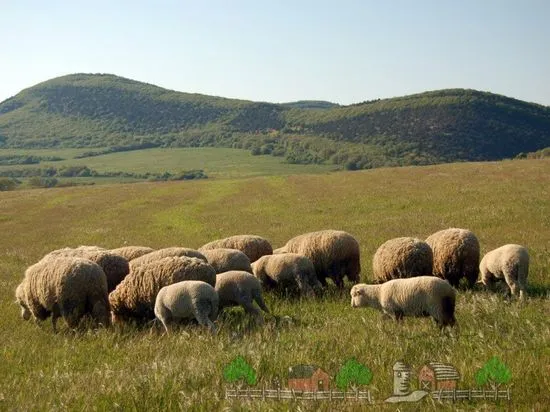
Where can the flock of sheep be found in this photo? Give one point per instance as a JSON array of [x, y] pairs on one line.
[[138, 284]]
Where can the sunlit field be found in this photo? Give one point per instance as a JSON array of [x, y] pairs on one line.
[[127, 368]]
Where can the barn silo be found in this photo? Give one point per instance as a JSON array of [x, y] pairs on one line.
[[401, 378]]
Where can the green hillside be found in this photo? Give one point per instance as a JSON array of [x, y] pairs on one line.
[[102, 110]]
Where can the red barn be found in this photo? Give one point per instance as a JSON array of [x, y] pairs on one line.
[[308, 378], [436, 375]]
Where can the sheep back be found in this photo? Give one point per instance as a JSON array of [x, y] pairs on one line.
[[135, 297], [132, 252], [455, 255], [402, 257], [224, 260], [510, 263], [251, 245], [334, 254], [166, 252]]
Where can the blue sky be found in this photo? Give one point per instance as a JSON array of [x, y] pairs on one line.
[[342, 51]]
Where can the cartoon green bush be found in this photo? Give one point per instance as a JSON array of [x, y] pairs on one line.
[[494, 373], [353, 373], [239, 370]]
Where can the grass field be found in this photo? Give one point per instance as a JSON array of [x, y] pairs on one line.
[[129, 369], [216, 162]]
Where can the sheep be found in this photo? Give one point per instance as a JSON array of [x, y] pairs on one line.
[[251, 245], [115, 266], [185, 300], [334, 254], [509, 262], [289, 273], [418, 296], [68, 287], [166, 252], [223, 260], [402, 257], [132, 252], [456, 255], [238, 287], [134, 298]]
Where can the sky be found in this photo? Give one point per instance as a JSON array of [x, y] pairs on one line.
[[342, 51]]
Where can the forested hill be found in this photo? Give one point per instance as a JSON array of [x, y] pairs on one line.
[[101, 110]]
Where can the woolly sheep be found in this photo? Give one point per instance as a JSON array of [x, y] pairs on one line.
[[68, 287], [190, 299], [334, 254], [135, 297], [224, 260], [132, 252], [418, 296], [510, 263], [456, 255], [402, 257], [290, 273], [238, 287], [166, 252], [251, 245], [115, 266]]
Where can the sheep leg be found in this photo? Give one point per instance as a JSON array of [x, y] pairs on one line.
[[253, 310], [257, 296], [202, 311], [399, 315], [164, 315], [55, 315]]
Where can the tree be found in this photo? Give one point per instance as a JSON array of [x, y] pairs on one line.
[[493, 373], [353, 373], [238, 370], [7, 184]]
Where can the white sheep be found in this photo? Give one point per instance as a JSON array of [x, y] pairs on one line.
[[509, 263], [224, 260], [190, 299], [418, 296]]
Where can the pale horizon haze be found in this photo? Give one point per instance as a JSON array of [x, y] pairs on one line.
[[281, 51]]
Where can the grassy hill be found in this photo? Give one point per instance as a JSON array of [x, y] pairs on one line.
[[132, 369], [101, 110]]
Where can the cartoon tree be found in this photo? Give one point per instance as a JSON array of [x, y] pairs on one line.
[[493, 373], [353, 374], [239, 370]]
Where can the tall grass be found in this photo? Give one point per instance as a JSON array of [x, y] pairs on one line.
[[139, 369]]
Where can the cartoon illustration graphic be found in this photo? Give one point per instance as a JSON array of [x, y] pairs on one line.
[[494, 373], [308, 378], [436, 375], [239, 370], [353, 374], [401, 385]]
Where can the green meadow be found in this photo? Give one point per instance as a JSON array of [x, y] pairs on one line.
[[131, 369]]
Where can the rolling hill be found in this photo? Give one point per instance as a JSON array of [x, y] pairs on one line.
[[103, 110]]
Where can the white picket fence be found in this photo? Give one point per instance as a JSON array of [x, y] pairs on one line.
[[363, 396], [468, 394]]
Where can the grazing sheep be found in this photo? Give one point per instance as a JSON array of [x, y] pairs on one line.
[[238, 287], [132, 252], [456, 255], [334, 254], [510, 263], [252, 246], [68, 287], [115, 266], [289, 273], [190, 299], [135, 297], [224, 260], [402, 257], [166, 252], [418, 296]]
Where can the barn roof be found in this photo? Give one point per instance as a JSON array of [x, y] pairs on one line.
[[444, 371], [301, 371]]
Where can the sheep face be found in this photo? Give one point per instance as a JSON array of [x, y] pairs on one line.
[[20, 300], [361, 296]]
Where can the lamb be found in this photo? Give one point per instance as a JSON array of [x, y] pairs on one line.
[[402, 257], [334, 254], [166, 252], [68, 287], [251, 245], [509, 262], [456, 255], [115, 266], [224, 260], [289, 273], [134, 298], [187, 300], [238, 287], [418, 296], [132, 252]]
